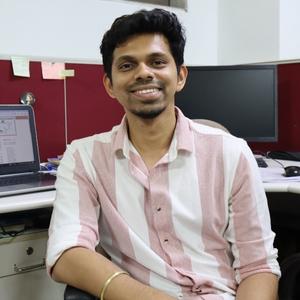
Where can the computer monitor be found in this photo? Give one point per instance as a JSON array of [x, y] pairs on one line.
[[242, 98]]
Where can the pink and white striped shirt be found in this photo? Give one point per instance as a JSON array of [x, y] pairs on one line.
[[194, 225]]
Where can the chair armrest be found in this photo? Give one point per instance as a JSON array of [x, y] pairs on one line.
[[72, 293]]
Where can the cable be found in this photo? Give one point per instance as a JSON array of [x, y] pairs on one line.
[[11, 233], [66, 112], [267, 156]]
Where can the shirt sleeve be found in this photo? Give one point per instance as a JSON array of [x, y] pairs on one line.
[[74, 220], [249, 231]]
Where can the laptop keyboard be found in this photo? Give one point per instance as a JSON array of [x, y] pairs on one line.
[[20, 179]]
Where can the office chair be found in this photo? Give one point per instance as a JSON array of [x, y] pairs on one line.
[[289, 283], [211, 124], [72, 293]]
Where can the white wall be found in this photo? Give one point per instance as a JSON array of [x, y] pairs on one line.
[[201, 23], [71, 30], [289, 30], [248, 31], [218, 31]]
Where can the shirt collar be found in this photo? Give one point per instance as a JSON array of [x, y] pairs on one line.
[[182, 139], [120, 138], [183, 132]]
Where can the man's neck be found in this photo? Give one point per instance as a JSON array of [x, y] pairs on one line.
[[152, 137]]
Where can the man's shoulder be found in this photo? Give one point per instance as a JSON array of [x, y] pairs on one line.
[[103, 137]]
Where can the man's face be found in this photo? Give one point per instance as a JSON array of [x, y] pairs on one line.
[[144, 76]]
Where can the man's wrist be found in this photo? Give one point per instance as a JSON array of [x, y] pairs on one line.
[[108, 282]]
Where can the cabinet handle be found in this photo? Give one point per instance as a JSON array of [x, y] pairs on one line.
[[29, 268]]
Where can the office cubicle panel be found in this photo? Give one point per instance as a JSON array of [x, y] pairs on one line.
[[91, 110], [288, 111], [48, 108]]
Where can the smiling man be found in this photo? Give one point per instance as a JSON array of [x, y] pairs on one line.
[[177, 207], [145, 76]]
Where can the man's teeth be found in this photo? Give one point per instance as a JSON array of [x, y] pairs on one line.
[[147, 91]]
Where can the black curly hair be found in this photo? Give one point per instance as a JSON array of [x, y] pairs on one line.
[[144, 21]]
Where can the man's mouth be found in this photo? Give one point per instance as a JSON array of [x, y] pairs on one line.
[[149, 91]]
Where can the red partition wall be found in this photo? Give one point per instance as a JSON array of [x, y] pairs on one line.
[[288, 111], [49, 109], [90, 110]]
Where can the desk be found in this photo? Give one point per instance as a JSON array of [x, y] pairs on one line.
[[22, 272], [26, 201], [284, 205], [46, 198], [284, 186]]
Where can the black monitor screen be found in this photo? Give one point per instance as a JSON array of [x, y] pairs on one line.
[[242, 98]]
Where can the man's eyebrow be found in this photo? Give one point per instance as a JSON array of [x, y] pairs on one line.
[[124, 58], [132, 58], [158, 54]]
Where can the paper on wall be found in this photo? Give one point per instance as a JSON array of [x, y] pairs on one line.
[[52, 70], [20, 66]]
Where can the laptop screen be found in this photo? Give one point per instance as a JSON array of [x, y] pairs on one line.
[[18, 146]]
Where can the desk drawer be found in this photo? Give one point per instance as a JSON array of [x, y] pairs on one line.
[[35, 285], [23, 253]]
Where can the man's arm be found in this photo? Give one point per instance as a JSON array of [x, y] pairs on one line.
[[260, 286], [88, 270]]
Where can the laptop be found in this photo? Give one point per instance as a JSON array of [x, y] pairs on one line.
[[20, 170]]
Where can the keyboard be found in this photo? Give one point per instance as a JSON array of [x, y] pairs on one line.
[[21, 179], [261, 162]]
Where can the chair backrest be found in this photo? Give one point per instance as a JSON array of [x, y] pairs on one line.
[[72, 293], [289, 283], [211, 124]]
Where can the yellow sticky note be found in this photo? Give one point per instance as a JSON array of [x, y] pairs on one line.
[[52, 70], [20, 66], [67, 73]]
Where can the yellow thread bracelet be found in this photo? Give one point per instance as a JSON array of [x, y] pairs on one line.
[[108, 281]]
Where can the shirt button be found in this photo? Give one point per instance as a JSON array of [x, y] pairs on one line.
[[197, 289], [158, 209], [166, 240]]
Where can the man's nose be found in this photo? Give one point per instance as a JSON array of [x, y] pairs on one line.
[[144, 72]]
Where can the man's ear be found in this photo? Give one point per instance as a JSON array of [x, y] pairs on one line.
[[108, 86], [182, 75]]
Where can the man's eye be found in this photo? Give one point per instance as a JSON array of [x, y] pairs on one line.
[[159, 63], [125, 66]]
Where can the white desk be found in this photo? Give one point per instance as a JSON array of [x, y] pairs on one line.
[[45, 199], [26, 201], [18, 284], [284, 186]]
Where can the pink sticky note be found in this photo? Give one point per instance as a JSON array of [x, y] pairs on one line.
[[52, 70]]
